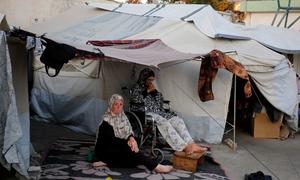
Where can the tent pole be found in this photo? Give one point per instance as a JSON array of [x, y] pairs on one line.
[[234, 114]]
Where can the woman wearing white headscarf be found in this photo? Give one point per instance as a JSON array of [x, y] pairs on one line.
[[115, 144]]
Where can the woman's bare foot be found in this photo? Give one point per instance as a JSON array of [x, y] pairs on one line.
[[193, 147], [198, 148], [163, 168], [189, 149], [98, 164]]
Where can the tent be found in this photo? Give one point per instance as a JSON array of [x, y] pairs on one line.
[[14, 106], [77, 97], [176, 32]]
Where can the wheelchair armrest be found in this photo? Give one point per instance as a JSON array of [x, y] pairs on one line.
[[166, 105], [124, 88], [149, 118], [166, 101]]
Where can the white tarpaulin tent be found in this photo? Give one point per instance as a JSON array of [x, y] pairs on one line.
[[14, 106], [80, 99], [212, 24], [77, 97]]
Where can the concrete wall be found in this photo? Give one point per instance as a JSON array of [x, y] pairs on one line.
[[256, 18], [22, 13]]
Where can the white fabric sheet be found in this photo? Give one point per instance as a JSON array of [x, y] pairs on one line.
[[212, 24], [104, 28], [277, 38], [13, 134], [280, 89], [109, 26], [70, 101], [79, 102], [183, 37], [177, 82], [71, 17], [256, 58], [152, 55]]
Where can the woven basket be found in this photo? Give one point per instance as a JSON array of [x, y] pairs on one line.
[[187, 162]]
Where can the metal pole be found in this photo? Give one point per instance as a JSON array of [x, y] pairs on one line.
[[234, 114]]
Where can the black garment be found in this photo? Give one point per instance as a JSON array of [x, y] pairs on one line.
[[116, 153], [257, 176], [56, 55]]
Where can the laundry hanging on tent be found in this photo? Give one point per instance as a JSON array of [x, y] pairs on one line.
[[208, 71], [57, 54], [124, 44]]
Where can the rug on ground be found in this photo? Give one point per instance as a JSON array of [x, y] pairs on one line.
[[67, 159]]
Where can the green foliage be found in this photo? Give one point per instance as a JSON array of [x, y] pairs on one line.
[[197, 1], [219, 5]]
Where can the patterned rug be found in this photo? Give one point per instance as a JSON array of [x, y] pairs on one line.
[[67, 159]]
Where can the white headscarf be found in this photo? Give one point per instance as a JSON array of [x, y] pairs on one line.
[[119, 122]]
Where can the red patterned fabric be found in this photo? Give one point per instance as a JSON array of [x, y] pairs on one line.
[[208, 71], [124, 44]]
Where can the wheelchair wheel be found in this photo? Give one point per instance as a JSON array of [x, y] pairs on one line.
[[158, 155], [136, 127]]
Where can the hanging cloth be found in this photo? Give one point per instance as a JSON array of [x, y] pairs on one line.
[[208, 71]]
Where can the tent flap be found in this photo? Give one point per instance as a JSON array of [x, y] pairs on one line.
[[13, 132]]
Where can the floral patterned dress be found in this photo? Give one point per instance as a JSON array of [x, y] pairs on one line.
[[172, 127]]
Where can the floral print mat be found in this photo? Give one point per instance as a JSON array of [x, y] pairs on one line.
[[67, 159]]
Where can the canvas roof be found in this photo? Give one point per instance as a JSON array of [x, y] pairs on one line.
[[109, 26], [178, 40], [179, 35], [182, 32], [212, 24], [197, 35]]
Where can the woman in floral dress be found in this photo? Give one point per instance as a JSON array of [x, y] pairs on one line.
[[145, 98]]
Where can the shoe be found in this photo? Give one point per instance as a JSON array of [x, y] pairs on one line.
[[257, 176]]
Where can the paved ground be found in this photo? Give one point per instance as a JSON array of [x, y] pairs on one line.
[[280, 159]]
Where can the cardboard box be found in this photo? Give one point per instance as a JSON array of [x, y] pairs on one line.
[[263, 127], [187, 162]]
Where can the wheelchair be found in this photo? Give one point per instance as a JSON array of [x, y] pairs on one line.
[[146, 134], [145, 130]]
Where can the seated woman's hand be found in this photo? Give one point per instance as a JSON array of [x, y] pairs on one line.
[[133, 144], [150, 87]]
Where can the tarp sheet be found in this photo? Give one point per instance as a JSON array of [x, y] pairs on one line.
[[14, 123], [184, 37], [212, 24], [177, 83], [271, 70]]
